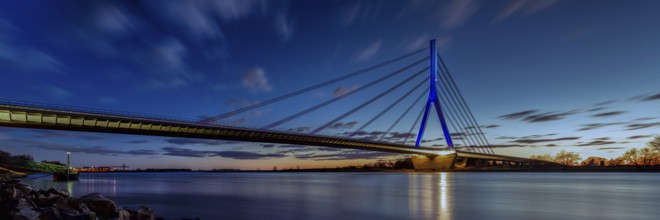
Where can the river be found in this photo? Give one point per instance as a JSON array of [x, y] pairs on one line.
[[465, 195]]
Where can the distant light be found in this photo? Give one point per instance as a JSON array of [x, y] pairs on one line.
[[68, 152]]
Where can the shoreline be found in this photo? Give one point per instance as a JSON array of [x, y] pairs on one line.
[[334, 170], [20, 201]]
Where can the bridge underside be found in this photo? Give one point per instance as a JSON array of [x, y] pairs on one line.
[[424, 158], [475, 161]]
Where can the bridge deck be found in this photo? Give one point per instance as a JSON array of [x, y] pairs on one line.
[[43, 118], [54, 119]]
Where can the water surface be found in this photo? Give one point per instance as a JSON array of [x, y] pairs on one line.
[[378, 195]]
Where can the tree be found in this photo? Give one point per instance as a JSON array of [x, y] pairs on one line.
[[567, 158], [616, 161], [4, 156], [655, 143], [592, 160], [631, 157], [546, 157]]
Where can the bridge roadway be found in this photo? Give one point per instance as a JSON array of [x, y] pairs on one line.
[[57, 118]]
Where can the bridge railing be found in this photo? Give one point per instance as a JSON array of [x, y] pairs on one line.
[[118, 113]]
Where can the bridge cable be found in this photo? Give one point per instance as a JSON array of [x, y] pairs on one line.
[[381, 113], [413, 126], [304, 90], [294, 116], [326, 125], [450, 101], [452, 120], [464, 103], [424, 92]]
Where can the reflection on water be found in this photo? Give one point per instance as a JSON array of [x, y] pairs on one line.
[[429, 195], [378, 195]]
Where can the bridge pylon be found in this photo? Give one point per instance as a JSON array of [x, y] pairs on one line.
[[434, 99]]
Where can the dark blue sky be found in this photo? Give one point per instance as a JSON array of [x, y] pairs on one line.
[[553, 61]]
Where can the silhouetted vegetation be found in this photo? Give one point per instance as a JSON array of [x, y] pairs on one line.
[[647, 156]]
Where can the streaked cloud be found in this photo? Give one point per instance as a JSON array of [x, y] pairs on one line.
[[368, 52], [255, 80], [523, 7]]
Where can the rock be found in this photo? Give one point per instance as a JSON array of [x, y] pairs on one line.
[[11, 192], [102, 206], [123, 214], [26, 214], [24, 204], [58, 192], [26, 190], [67, 212], [50, 213], [142, 213], [83, 216]]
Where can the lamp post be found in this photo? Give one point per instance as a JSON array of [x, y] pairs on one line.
[[68, 164]]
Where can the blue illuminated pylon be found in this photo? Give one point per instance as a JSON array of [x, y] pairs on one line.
[[434, 100]]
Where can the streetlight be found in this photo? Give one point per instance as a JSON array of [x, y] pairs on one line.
[[68, 164]]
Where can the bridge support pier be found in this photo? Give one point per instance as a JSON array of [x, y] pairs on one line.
[[434, 163]]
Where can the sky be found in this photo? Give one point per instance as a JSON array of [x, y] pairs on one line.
[[540, 76]]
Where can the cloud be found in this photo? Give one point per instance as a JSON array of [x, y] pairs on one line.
[[102, 150], [422, 41], [189, 141], [368, 52], [610, 148], [255, 80], [202, 18], [524, 7], [284, 27], [239, 155], [302, 129], [537, 136], [482, 126], [138, 141], [517, 115], [607, 114], [107, 100], [645, 118], [346, 155], [605, 103], [113, 19], [456, 13], [506, 145], [592, 126], [342, 90], [55, 91], [596, 109], [341, 125], [27, 58], [641, 125], [639, 136], [545, 117], [596, 143], [360, 13], [651, 97], [4, 137], [47, 134], [533, 141]]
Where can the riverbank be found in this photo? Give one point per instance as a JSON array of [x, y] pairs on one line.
[[18, 201], [360, 170]]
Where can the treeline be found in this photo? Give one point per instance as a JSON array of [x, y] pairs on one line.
[[400, 164], [6, 157], [647, 156]]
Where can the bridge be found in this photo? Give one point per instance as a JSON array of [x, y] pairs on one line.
[[442, 95]]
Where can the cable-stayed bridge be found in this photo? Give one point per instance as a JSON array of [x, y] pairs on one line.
[[431, 87]]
